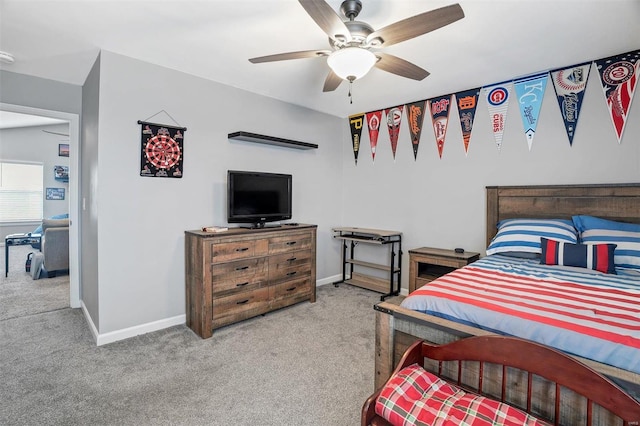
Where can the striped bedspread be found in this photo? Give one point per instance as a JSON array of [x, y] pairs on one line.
[[579, 311]]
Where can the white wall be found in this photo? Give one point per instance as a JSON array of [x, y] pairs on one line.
[[142, 220], [32, 145], [441, 202]]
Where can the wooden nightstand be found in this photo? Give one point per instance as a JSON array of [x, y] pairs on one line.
[[426, 264]]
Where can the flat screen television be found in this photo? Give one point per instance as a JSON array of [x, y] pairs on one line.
[[256, 198]]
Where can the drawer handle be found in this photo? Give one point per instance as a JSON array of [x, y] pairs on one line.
[[291, 259], [290, 274], [290, 243], [242, 249], [242, 268], [242, 302], [291, 288], [242, 284]]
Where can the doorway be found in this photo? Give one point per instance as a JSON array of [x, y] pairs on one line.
[[74, 186]]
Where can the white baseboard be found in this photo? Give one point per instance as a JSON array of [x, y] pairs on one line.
[[125, 333], [329, 280]]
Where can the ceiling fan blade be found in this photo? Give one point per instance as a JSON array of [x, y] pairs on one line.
[[332, 82], [417, 25], [327, 19], [290, 55], [399, 66]]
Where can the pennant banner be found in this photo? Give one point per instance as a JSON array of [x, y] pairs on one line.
[[498, 101], [355, 124], [161, 150], [373, 123], [530, 92], [467, 102], [619, 75], [440, 108], [415, 118], [570, 84], [394, 118]]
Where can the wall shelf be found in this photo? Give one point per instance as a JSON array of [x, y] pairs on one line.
[[270, 140]]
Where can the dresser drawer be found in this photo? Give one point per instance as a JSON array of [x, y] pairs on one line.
[[239, 275], [292, 242], [292, 291], [222, 252], [291, 265], [236, 307]]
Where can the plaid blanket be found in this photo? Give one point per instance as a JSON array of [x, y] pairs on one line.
[[417, 397]]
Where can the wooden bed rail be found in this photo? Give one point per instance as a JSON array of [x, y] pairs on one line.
[[531, 358]]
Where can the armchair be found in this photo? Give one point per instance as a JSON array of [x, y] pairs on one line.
[[55, 245]]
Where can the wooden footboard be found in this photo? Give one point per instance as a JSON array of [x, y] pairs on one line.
[[532, 377]]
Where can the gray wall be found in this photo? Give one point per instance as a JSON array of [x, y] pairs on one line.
[[89, 284], [142, 220], [441, 202], [32, 145]]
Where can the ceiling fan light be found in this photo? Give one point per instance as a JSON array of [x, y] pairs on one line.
[[351, 63]]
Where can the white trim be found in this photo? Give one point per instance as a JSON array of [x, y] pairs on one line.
[[92, 326], [125, 333], [329, 280], [74, 191]]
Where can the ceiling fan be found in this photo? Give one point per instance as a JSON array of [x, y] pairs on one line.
[[353, 43]]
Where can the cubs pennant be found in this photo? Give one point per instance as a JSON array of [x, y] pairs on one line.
[[619, 76], [497, 96], [373, 123], [530, 92], [394, 118], [440, 108], [467, 102], [355, 124], [415, 118], [570, 84]]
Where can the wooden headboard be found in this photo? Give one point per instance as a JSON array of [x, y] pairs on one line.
[[620, 202]]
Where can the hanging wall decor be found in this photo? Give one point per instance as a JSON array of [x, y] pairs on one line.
[[161, 151], [570, 84], [394, 118], [373, 124], [440, 108], [415, 118], [467, 102], [619, 76], [530, 92], [498, 102], [355, 126]]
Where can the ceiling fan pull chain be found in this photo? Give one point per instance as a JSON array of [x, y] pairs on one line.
[[350, 97]]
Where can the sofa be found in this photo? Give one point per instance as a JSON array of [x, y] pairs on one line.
[[55, 245]]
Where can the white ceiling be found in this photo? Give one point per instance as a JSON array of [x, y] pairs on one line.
[[496, 41]]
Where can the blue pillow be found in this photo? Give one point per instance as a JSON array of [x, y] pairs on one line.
[[598, 257], [626, 236], [523, 235]]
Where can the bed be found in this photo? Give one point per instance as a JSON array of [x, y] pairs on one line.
[[426, 387], [397, 327]]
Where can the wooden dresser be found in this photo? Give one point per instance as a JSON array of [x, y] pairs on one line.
[[241, 273]]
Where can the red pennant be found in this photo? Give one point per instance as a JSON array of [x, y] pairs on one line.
[[373, 123], [394, 118]]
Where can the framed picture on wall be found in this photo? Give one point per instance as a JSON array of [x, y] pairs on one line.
[[55, 193], [63, 150], [61, 173]]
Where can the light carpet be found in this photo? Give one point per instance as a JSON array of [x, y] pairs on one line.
[[309, 364], [20, 295]]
